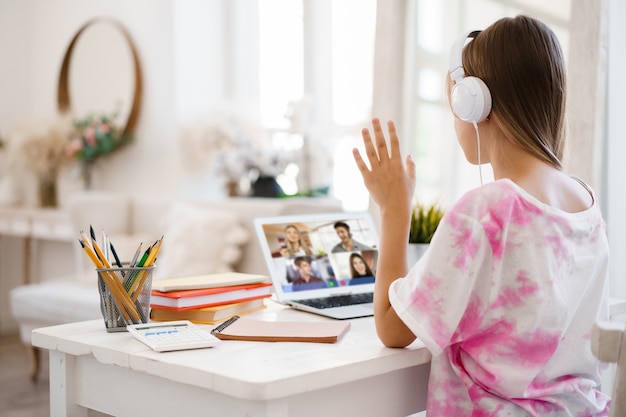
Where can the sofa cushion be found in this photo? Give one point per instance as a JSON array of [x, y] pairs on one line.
[[199, 240], [54, 302]]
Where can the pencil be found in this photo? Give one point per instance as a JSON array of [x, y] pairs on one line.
[[109, 282], [136, 255], [154, 252], [124, 295], [100, 254], [91, 254], [105, 246], [130, 284], [133, 263], [136, 290]]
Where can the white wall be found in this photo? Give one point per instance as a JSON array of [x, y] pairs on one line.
[[35, 35]]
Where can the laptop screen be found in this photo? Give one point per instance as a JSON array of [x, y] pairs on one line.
[[313, 254]]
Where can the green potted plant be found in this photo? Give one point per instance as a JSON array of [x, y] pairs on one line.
[[424, 221]]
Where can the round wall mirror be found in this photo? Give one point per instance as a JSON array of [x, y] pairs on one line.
[[100, 74]]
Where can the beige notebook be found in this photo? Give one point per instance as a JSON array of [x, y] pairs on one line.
[[244, 328], [215, 280]]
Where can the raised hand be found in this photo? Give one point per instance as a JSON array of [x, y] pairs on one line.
[[390, 184]]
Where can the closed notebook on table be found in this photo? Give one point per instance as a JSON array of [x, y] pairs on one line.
[[215, 280], [209, 297], [244, 328], [208, 315]]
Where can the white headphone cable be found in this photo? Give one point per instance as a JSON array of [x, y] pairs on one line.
[[480, 170]]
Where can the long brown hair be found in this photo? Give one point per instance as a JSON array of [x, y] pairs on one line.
[[521, 62]]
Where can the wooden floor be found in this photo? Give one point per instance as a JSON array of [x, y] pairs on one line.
[[19, 396]]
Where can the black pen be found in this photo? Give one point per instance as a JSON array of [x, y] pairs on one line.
[[117, 258]]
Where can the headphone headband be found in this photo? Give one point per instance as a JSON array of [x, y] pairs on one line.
[[456, 55]]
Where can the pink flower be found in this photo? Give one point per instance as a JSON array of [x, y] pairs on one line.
[[105, 128], [90, 135], [74, 146]]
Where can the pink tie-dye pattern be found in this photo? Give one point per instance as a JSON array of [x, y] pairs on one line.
[[533, 349], [559, 250], [425, 302], [467, 246], [505, 223], [423, 298], [513, 210], [471, 320], [514, 296], [441, 391]]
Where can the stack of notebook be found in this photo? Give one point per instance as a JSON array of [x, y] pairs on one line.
[[209, 298]]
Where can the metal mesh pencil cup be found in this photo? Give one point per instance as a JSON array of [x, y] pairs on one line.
[[124, 296]]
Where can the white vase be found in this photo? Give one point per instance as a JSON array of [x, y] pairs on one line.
[[415, 252]]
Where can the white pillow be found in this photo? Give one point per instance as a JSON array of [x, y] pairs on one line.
[[199, 240]]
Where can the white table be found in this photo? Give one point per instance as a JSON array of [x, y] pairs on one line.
[[116, 374]]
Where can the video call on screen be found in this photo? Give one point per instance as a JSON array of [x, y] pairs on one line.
[[317, 255]]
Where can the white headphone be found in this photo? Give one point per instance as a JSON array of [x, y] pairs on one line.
[[470, 96]]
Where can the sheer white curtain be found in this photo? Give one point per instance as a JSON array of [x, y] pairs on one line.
[[389, 53]]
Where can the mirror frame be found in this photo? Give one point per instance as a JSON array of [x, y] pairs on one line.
[[63, 94]]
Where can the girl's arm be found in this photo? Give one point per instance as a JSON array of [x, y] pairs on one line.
[[391, 186]]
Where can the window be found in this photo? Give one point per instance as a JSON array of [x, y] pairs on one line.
[[312, 60], [317, 57]]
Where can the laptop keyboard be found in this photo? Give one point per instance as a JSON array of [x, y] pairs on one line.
[[339, 300]]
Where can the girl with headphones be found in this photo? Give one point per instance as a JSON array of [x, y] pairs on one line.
[[517, 272]]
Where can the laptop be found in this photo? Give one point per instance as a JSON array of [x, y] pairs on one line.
[[322, 263]]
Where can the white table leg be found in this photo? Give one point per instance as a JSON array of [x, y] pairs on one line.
[[277, 408], [62, 386]]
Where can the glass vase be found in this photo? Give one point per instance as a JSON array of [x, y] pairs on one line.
[[47, 189], [86, 172]]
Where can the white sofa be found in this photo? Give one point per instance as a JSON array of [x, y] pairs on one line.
[[199, 237]]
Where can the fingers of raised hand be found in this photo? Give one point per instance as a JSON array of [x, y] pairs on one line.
[[393, 137], [370, 149], [360, 163], [381, 142]]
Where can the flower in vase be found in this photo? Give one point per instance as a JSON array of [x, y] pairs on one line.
[[245, 159], [40, 150], [94, 137]]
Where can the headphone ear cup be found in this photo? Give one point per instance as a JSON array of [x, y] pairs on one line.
[[471, 100]]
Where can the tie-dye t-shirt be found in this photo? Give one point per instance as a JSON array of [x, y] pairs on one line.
[[505, 299]]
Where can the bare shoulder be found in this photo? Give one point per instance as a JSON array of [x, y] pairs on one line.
[[566, 193], [559, 190]]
